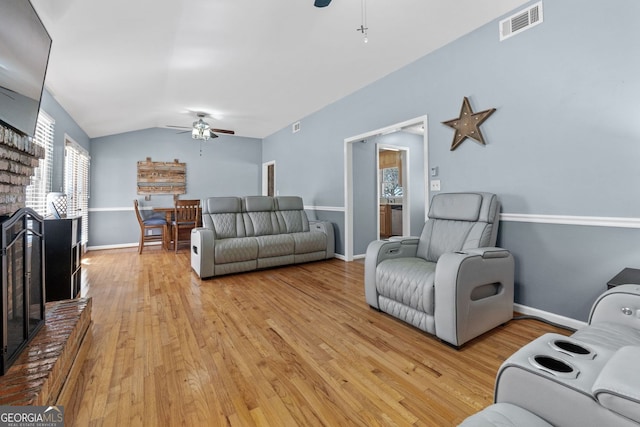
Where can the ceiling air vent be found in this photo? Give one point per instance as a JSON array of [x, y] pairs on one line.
[[521, 21], [295, 127]]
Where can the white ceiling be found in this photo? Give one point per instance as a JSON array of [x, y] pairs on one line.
[[256, 66]]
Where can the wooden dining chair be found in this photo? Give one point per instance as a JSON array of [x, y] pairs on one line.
[[148, 226], [186, 216]]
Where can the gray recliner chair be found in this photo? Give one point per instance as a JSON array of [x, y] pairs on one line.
[[451, 281]]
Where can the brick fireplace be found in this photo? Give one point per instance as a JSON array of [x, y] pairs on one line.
[[19, 156], [22, 247]]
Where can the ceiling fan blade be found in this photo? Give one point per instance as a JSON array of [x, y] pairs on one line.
[[321, 3], [228, 132], [179, 127]]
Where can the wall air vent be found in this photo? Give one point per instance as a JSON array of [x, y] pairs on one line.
[[521, 21], [295, 127]]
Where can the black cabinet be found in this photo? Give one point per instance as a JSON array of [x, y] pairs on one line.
[[63, 253]]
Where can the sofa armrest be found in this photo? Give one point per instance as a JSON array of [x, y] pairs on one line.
[[202, 252], [473, 293], [616, 387], [378, 251], [618, 305], [327, 228]]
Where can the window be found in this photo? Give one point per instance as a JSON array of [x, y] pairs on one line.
[[40, 185], [76, 183], [391, 182]]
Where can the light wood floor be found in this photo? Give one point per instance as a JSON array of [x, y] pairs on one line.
[[292, 346]]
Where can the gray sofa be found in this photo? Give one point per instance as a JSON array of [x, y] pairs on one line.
[[588, 379], [254, 232]]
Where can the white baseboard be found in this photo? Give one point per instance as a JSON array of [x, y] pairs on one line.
[[551, 317], [118, 246]]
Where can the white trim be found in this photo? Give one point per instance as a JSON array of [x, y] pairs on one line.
[[117, 209], [341, 257], [325, 208], [150, 208], [551, 317], [348, 174], [118, 246], [597, 221]]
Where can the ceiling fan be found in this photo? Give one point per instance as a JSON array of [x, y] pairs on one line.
[[201, 129], [321, 3]]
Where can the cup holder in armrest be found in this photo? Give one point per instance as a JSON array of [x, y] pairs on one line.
[[572, 349], [554, 366]]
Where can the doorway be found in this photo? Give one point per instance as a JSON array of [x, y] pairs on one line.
[[269, 178], [418, 211], [393, 191]]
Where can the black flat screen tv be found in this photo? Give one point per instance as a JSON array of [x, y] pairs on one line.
[[24, 54]]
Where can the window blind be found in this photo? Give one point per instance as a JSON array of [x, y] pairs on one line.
[[76, 183], [40, 184]]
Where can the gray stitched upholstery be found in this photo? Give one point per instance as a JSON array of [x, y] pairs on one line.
[[291, 215], [242, 234], [504, 415], [450, 281], [458, 222], [408, 281], [223, 216]]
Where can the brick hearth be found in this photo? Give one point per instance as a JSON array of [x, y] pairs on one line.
[[45, 372]]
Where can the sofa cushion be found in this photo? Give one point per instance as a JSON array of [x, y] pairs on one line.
[[309, 242], [259, 216], [504, 415], [408, 281], [275, 245], [223, 215], [291, 215], [235, 250]]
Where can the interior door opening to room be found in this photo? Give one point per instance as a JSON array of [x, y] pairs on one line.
[[393, 191], [269, 179], [351, 235]]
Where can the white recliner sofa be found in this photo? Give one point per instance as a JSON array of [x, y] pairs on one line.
[[451, 281], [591, 378]]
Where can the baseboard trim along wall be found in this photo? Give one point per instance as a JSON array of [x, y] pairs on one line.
[[551, 317]]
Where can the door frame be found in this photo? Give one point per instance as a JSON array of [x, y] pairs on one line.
[[406, 186], [265, 177], [348, 174]]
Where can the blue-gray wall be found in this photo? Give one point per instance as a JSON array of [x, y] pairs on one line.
[[563, 141], [365, 184], [224, 166], [64, 125]]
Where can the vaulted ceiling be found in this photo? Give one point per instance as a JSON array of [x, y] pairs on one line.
[[255, 66]]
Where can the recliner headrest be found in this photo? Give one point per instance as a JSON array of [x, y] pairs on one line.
[[464, 207], [258, 203], [289, 203], [215, 205]]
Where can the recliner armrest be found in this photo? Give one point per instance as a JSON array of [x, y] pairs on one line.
[[378, 251], [202, 250], [327, 228], [473, 293]]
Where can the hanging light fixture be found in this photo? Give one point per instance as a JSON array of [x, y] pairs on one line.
[[363, 26], [201, 129]]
